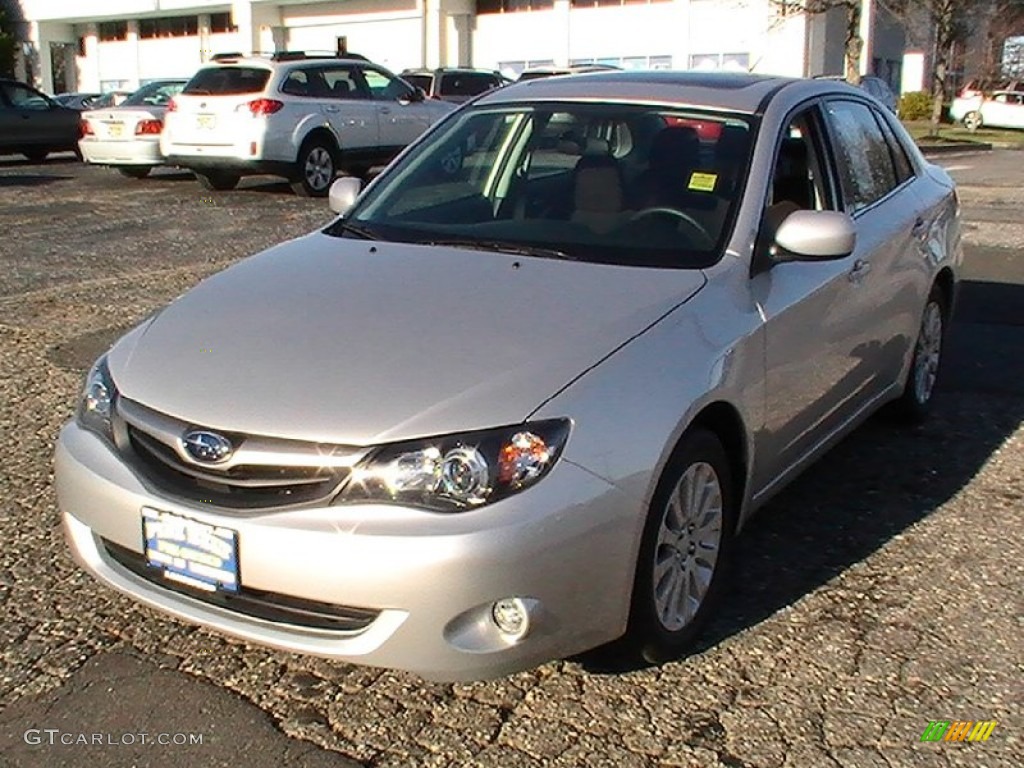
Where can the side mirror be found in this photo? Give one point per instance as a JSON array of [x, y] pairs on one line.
[[814, 236], [343, 194], [414, 96]]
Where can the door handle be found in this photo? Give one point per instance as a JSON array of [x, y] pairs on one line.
[[332, 109], [860, 268], [385, 110]]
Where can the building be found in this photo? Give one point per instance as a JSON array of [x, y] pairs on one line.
[[109, 44]]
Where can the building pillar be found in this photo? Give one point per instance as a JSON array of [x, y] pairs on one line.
[[259, 26], [563, 19], [867, 28], [132, 41], [435, 48], [89, 64]]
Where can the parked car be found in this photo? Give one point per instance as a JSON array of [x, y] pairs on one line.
[[454, 85], [1004, 109], [986, 86], [79, 101], [519, 398], [110, 99], [304, 118], [128, 137], [34, 125]]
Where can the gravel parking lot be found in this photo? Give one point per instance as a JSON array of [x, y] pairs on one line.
[[880, 592]]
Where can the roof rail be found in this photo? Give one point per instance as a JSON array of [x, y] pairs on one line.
[[285, 55]]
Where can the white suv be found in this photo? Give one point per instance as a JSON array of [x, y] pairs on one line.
[[292, 115]]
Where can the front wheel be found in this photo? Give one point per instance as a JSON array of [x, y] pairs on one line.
[[916, 401], [685, 552], [218, 181], [314, 169], [973, 121], [135, 171]]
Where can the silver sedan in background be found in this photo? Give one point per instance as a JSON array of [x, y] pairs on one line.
[[518, 400], [127, 137]]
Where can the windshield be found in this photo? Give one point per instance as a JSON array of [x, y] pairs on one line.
[[622, 184], [154, 95]]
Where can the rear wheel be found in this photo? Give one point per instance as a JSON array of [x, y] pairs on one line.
[[973, 121], [36, 155], [315, 168], [916, 401], [135, 171], [686, 549], [219, 181]]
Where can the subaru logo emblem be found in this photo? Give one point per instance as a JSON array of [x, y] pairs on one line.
[[207, 447]]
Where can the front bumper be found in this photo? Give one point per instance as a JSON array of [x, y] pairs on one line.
[[137, 152], [568, 545]]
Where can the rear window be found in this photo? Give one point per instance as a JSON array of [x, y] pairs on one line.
[[419, 81], [465, 84], [223, 81]]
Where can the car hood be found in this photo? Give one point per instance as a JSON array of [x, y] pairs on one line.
[[360, 342]]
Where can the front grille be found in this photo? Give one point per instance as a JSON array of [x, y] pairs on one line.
[[270, 606], [241, 486]]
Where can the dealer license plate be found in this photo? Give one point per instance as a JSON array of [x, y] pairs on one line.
[[190, 552], [116, 130], [206, 121]]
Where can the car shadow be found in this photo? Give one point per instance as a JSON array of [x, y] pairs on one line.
[[30, 180], [58, 158], [881, 479]]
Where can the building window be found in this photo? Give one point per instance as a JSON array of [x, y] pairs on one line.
[[596, 3], [628, 62], [508, 6], [728, 62], [221, 22], [175, 26], [110, 31]]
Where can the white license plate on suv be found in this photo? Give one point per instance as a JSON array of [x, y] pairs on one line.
[[190, 552]]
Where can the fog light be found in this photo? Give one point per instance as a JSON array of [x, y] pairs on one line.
[[511, 617]]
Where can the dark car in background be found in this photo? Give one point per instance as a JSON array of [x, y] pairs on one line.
[[79, 101], [455, 85], [34, 125]]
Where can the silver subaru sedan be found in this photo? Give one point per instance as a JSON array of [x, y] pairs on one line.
[[518, 399]]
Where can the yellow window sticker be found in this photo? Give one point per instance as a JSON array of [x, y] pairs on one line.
[[703, 182]]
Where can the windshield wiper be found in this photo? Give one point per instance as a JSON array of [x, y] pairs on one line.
[[344, 226], [514, 249]]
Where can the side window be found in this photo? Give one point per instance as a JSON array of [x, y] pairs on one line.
[[341, 83], [384, 87], [800, 177], [865, 163], [21, 97], [298, 83], [900, 158]]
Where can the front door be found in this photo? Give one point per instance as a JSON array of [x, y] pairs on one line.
[[401, 118]]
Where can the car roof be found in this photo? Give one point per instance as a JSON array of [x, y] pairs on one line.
[[726, 91]]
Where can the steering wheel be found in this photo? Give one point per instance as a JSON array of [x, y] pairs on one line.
[[705, 237]]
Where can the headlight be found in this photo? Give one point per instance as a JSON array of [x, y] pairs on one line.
[[98, 399], [458, 472]]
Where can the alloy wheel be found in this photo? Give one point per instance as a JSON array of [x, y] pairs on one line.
[[319, 168], [688, 545], [928, 353]]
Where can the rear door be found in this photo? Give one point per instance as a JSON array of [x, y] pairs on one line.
[[348, 107], [212, 109], [879, 192]]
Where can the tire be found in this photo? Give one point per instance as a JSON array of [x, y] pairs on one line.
[[36, 155], [661, 627], [915, 403], [315, 168], [135, 171], [218, 181], [973, 121]]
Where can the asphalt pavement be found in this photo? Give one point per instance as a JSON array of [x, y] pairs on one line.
[[881, 591]]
